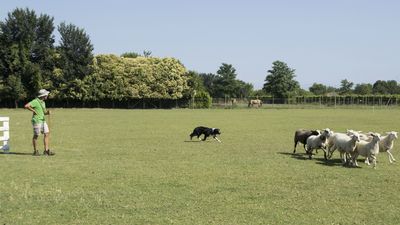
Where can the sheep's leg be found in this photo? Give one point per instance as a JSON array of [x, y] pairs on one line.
[[373, 161], [295, 145], [342, 158], [310, 153], [325, 153], [348, 159], [366, 161], [354, 159], [391, 158], [331, 149]]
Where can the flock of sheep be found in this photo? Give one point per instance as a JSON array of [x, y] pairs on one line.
[[350, 145]]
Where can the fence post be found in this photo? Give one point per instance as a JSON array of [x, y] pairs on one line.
[[320, 103], [335, 101], [5, 128]]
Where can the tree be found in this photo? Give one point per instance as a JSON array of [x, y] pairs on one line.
[[116, 78], [195, 83], [318, 89], [210, 83], [386, 87], [392, 87], [243, 89], [226, 82], [302, 92], [26, 50], [43, 51], [147, 53], [75, 59], [130, 55], [380, 87], [363, 89], [14, 89], [345, 87], [258, 93], [331, 89], [280, 81]]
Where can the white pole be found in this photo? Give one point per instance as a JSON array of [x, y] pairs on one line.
[[5, 128]]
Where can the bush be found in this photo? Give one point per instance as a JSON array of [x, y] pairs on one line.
[[202, 100]]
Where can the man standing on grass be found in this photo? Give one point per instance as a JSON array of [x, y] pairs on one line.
[[38, 107]]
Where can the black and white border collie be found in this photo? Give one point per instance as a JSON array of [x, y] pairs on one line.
[[198, 131]]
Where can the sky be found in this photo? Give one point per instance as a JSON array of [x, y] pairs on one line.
[[325, 41]]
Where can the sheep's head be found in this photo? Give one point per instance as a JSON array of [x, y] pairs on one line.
[[322, 137], [315, 132], [392, 135], [376, 137], [327, 132], [353, 132], [355, 137]]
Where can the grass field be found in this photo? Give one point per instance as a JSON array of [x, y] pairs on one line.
[[139, 167]]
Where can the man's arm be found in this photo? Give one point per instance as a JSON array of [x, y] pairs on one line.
[[29, 107]]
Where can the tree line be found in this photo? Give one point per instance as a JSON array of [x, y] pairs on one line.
[[280, 83], [31, 60]]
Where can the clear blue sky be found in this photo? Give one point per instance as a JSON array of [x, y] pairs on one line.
[[324, 41]]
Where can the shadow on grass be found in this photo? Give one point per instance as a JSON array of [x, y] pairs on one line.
[[329, 162], [197, 141], [320, 161], [336, 162], [15, 153], [194, 141], [300, 156]]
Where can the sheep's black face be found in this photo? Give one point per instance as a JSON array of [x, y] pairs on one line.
[[314, 132]]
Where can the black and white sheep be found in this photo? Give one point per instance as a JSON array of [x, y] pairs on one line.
[[301, 136], [317, 142]]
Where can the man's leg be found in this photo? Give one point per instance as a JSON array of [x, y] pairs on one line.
[[36, 132], [46, 140], [34, 140]]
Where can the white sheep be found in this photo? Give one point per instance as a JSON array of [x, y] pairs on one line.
[[386, 144], [318, 142], [368, 149], [365, 137], [344, 143]]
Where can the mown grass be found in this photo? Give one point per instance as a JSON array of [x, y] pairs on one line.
[[139, 167]]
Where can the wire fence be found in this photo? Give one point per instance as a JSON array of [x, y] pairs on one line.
[[264, 102], [309, 102]]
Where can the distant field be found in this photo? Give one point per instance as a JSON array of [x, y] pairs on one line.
[[139, 167]]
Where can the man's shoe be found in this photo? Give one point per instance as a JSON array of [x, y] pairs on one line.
[[48, 152], [36, 153]]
